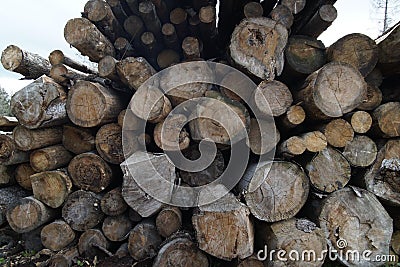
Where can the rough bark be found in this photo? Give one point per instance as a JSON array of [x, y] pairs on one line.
[[51, 187], [91, 104], [78, 140], [386, 119], [63, 75], [170, 37], [50, 158], [57, 235], [27, 214], [169, 221], [320, 22], [64, 258], [82, 210], [147, 11], [133, 72], [112, 203], [30, 65], [90, 172], [144, 241], [109, 143], [57, 57], [84, 36], [257, 45], [27, 139], [40, 104], [117, 228], [9, 153], [22, 175]]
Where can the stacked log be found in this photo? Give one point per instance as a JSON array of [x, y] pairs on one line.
[[317, 123]]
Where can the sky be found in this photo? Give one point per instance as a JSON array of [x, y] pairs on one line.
[[38, 27]]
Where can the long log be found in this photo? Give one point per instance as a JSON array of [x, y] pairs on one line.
[[124, 48], [40, 104], [50, 158], [91, 104], [170, 37], [57, 57], [78, 140], [9, 153], [57, 235], [30, 65], [134, 26], [321, 20], [27, 139], [64, 258], [147, 11]]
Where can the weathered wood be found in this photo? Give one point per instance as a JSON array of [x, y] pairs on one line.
[[27, 214], [50, 158], [361, 151], [134, 26], [178, 18], [283, 15], [295, 6], [64, 258], [386, 119], [300, 235], [180, 251], [57, 235], [382, 178], [253, 10], [372, 99], [251, 261], [395, 242], [272, 98], [356, 49], [336, 89], [133, 72], [27, 139], [388, 54], [57, 57], [90, 172], [84, 36], [7, 175], [263, 136], [8, 123], [314, 141], [294, 116], [170, 37], [8, 197], [162, 10], [22, 175], [9, 153], [329, 171], [78, 140], [294, 146], [51, 187], [109, 143], [133, 6], [62, 75], [168, 134], [320, 22], [338, 132], [93, 243], [151, 48], [108, 68], [374, 78], [147, 11], [353, 219], [124, 48], [361, 121], [117, 228], [169, 221], [40, 104], [191, 48], [261, 186], [30, 65], [208, 30], [223, 229], [117, 7], [144, 241], [82, 210], [91, 104], [112, 203], [167, 57], [257, 45]]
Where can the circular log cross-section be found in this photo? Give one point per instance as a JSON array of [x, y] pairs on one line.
[[260, 142], [112, 203], [257, 45], [144, 241], [90, 172], [284, 177], [57, 235], [117, 228], [361, 151], [91, 104], [314, 141], [169, 137], [338, 133], [168, 221], [282, 15], [387, 119], [291, 147], [109, 143], [356, 49], [329, 171], [253, 10], [361, 122]]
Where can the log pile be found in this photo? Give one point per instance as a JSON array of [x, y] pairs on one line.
[[335, 175]]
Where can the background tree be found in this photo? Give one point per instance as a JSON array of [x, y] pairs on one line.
[[387, 12], [4, 103]]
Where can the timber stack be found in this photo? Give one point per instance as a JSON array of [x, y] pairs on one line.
[[335, 175]]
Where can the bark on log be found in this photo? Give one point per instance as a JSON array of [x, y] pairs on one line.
[[320, 22], [124, 48], [9, 153], [386, 119], [109, 143], [282, 15], [372, 99], [253, 10], [144, 241], [64, 258], [224, 230], [329, 171], [382, 178], [64, 76], [27, 214], [208, 30], [354, 218], [112, 203], [257, 45], [50, 158], [93, 243], [117, 228], [169, 221], [22, 175], [356, 49], [170, 37], [389, 56], [8, 197], [90, 172], [133, 72], [40, 104], [338, 133], [169, 137], [27, 139], [57, 57], [361, 151], [148, 13], [361, 121], [82, 210], [78, 140], [84, 36], [57, 235], [117, 7], [178, 18], [294, 116], [262, 138], [314, 141], [261, 186], [272, 98], [91, 104], [336, 89], [296, 6], [30, 65], [162, 10], [51, 187], [108, 68], [133, 6], [300, 235], [294, 146], [151, 48]]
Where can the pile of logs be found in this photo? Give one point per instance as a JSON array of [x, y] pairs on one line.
[[336, 172]]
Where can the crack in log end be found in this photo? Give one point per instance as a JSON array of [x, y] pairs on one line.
[[256, 38]]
